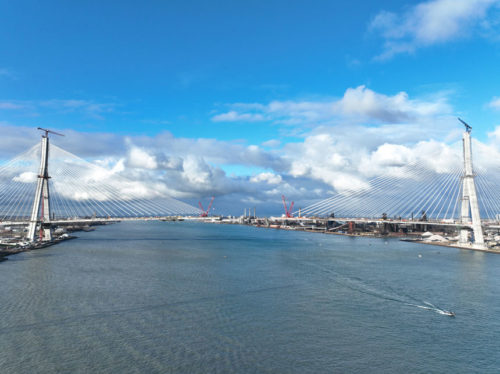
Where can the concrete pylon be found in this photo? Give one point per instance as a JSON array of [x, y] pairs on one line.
[[470, 205], [42, 198]]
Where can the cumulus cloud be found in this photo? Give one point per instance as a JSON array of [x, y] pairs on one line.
[[397, 160], [360, 136], [26, 177], [140, 158], [320, 157], [269, 178], [356, 105], [347, 165], [328, 160], [365, 103], [428, 23]]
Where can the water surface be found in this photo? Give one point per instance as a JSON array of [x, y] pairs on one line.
[[181, 297]]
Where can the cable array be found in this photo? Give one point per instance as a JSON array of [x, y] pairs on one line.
[[79, 188], [413, 192]]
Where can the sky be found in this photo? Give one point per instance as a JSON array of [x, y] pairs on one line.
[[246, 101]]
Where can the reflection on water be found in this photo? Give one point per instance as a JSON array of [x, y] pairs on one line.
[[185, 297]]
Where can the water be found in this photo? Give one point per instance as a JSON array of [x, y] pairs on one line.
[[180, 297]]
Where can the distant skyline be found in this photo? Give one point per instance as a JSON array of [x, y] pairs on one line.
[[250, 100]]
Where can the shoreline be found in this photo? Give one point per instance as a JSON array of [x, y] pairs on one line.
[[5, 252], [415, 238]]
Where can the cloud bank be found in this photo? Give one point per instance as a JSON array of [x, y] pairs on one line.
[[344, 143], [357, 105]]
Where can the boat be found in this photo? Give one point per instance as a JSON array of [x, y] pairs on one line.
[[448, 313]]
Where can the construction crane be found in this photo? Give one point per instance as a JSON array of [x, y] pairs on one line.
[[288, 210], [49, 131], [467, 127], [204, 213]]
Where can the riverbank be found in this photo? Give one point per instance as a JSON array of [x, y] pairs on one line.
[[443, 234], [8, 251]]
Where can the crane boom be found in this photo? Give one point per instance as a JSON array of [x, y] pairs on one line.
[[210, 205], [288, 212], [49, 131], [467, 127], [284, 204], [204, 213]]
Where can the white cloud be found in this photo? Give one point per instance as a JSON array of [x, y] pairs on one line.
[[495, 103], [365, 103], [196, 171], [272, 143], [139, 158], [321, 157], [234, 116], [429, 23], [269, 178], [359, 136], [397, 160], [357, 104], [26, 177]]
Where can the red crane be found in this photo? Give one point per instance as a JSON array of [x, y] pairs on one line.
[[288, 211], [204, 213]]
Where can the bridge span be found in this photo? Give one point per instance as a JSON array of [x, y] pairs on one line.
[[415, 193]]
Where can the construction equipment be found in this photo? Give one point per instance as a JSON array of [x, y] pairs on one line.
[[49, 131], [204, 213], [288, 210], [467, 127]]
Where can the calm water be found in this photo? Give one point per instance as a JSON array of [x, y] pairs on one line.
[[182, 297]]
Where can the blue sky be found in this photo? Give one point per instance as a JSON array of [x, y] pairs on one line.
[[258, 80]]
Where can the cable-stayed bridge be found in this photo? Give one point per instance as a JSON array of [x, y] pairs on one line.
[[79, 188], [458, 195], [33, 193], [67, 188]]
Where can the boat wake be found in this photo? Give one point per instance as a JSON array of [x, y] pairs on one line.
[[434, 308], [386, 293], [391, 295]]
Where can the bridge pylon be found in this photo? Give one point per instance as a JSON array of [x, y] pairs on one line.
[[470, 205], [41, 202]]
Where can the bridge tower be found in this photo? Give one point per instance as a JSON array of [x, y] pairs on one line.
[[42, 196], [470, 206]]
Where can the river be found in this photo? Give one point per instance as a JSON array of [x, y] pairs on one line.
[[186, 297]]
